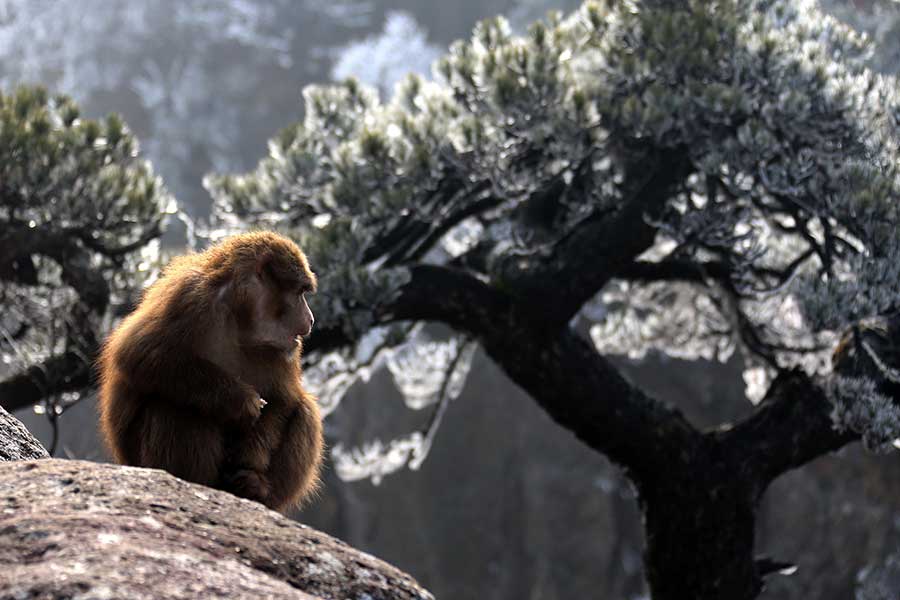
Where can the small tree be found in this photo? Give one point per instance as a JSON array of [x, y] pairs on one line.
[[692, 177], [78, 213]]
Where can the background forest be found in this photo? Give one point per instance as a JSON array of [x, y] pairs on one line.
[[506, 504]]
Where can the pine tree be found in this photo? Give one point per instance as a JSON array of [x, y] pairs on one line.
[[696, 178]]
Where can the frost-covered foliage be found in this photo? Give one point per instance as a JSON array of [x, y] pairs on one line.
[[384, 59], [860, 406], [779, 234], [428, 372], [866, 382], [82, 42], [80, 214], [172, 61]]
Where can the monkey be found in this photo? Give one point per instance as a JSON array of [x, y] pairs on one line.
[[203, 378]]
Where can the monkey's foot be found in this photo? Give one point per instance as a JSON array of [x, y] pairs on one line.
[[249, 484]]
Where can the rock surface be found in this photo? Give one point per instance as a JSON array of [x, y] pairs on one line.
[[16, 442], [75, 529]]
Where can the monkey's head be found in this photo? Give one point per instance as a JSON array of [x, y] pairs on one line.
[[265, 278]]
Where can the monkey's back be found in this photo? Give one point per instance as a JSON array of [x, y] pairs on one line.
[[142, 429], [118, 400], [139, 426]]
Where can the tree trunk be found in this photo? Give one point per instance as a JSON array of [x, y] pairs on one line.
[[698, 495], [699, 527], [698, 490]]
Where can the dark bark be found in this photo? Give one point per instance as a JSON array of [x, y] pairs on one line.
[[789, 428], [700, 517], [19, 244], [699, 523], [585, 394]]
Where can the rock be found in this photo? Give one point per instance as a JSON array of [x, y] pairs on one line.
[[16, 442], [79, 529]]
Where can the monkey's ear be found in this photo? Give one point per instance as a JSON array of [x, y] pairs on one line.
[[263, 264], [267, 269]]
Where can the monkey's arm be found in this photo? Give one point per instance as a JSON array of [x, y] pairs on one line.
[[293, 472], [202, 385], [195, 383], [277, 461]]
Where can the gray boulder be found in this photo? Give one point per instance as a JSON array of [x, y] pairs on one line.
[[76, 529]]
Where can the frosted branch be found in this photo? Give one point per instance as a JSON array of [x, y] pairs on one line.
[[373, 460]]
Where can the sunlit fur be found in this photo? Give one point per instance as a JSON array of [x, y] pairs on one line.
[[182, 376]]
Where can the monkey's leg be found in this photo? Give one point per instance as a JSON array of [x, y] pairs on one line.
[[186, 446], [249, 453], [294, 469]]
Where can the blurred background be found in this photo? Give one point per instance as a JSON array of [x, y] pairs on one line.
[[507, 505]]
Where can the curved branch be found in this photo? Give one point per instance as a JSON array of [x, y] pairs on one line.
[[577, 387], [452, 296], [60, 245], [434, 293], [582, 391], [439, 230], [789, 428], [598, 249], [61, 373], [412, 237], [326, 339], [152, 232]]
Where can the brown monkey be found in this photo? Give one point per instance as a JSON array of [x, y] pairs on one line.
[[203, 378]]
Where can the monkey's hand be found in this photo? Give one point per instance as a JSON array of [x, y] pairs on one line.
[[245, 407]]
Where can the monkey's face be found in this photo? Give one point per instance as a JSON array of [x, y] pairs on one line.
[[279, 314]]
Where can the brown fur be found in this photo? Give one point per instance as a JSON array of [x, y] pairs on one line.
[[182, 376]]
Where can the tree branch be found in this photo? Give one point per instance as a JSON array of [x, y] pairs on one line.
[[414, 235], [597, 250], [62, 373], [582, 391], [151, 233], [577, 387], [60, 245], [789, 428], [326, 340], [452, 296], [678, 270]]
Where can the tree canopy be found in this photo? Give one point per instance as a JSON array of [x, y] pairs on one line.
[[695, 178], [769, 148], [78, 212]]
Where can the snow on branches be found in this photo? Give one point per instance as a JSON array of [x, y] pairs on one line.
[[778, 233]]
